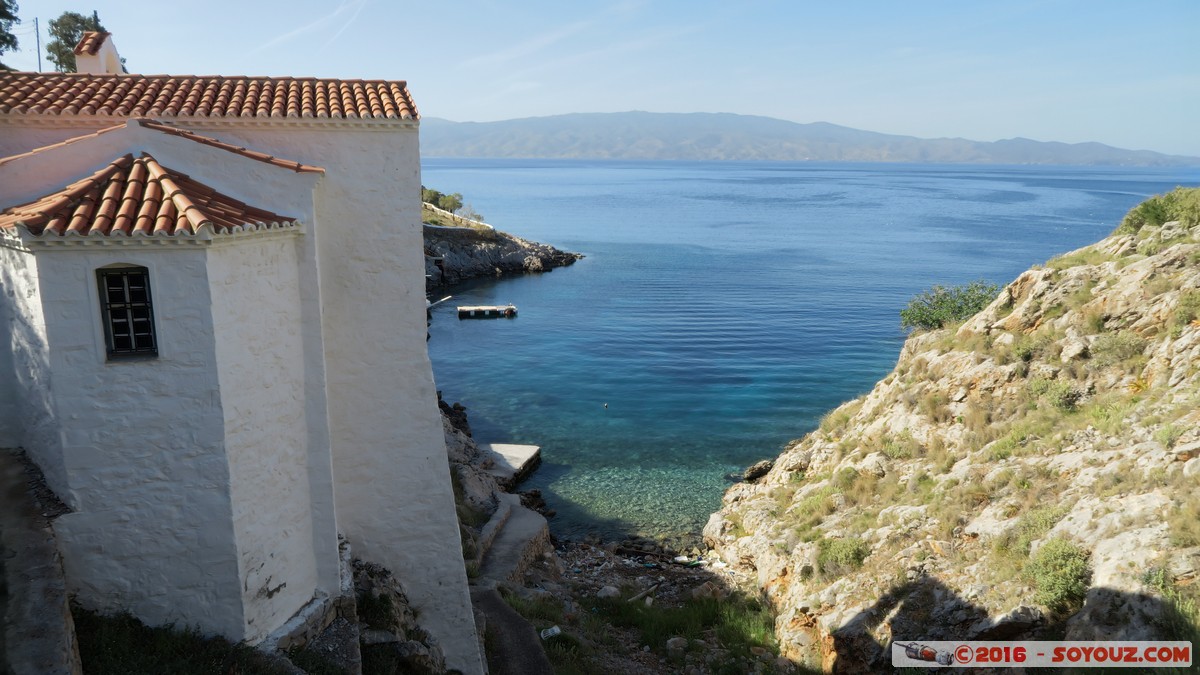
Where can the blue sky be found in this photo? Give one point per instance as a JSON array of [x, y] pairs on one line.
[[1114, 71]]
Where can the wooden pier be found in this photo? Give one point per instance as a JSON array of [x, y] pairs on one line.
[[487, 311]]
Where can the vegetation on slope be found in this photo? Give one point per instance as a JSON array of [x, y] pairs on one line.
[[1037, 458], [941, 306]]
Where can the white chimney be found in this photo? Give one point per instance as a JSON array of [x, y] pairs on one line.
[[96, 54]]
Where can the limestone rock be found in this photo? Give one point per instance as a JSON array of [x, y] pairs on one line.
[[1016, 622], [1065, 409], [758, 470], [478, 252], [1191, 468]]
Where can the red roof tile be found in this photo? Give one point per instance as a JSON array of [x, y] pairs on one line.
[[90, 42], [135, 197], [205, 96]]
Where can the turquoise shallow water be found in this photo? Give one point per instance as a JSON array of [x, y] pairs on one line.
[[723, 307]]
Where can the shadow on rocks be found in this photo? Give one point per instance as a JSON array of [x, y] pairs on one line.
[[925, 609]]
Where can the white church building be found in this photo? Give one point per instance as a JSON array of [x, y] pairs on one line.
[[214, 316]]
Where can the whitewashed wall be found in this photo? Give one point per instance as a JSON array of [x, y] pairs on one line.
[[13, 265], [390, 477], [29, 418], [118, 505], [260, 365], [17, 137], [395, 502], [143, 442]]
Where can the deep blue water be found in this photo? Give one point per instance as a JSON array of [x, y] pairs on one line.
[[723, 307]]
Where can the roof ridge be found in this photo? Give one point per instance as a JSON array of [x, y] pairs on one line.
[[203, 96], [69, 141], [176, 76], [165, 128], [167, 203]]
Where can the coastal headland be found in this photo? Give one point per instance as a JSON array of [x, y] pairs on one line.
[[458, 249]]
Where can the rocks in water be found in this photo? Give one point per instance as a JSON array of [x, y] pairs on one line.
[[758, 470], [454, 254]]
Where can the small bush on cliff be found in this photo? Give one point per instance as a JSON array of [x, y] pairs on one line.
[[1181, 618], [841, 556], [1182, 204], [943, 305], [1186, 312], [1061, 573]]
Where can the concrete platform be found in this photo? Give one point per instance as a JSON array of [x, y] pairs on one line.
[[511, 462]]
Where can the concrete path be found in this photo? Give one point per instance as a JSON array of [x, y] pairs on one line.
[[514, 647], [524, 536], [39, 635]]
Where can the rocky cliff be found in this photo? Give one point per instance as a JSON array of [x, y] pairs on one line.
[[1028, 474], [457, 249]]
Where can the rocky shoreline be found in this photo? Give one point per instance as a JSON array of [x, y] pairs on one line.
[[589, 594], [1027, 475], [456, 254]]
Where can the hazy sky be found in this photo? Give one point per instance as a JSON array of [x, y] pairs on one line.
[[1119, 72]]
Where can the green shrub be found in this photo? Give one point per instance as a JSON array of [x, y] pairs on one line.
[[941, 305], [1114, 348], [1181, 620], [840, 556], [1182, 204], [1183, 523], [1168, 434], [446, 202], [1187, 311], [1029, 528], [903, 446], [1061, 573], [1028, 346], [1058, 393]]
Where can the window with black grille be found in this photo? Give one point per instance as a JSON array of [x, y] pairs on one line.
[[127, 312]]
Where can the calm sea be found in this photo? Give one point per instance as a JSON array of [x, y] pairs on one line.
[[723, 307]]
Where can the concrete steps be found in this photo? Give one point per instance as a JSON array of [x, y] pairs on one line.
[[512, 539], [509, 542]]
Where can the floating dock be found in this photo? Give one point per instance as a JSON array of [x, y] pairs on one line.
[[487, 311]]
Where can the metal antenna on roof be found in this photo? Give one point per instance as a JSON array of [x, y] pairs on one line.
[[38, 35]]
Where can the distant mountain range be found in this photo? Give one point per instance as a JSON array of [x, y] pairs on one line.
[[726, 136]]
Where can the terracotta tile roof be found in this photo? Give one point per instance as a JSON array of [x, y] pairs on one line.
[[133, 197], [90, 42], [252, 154], [204, 96]]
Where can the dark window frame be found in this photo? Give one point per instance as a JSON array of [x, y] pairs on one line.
[[127, 312]]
